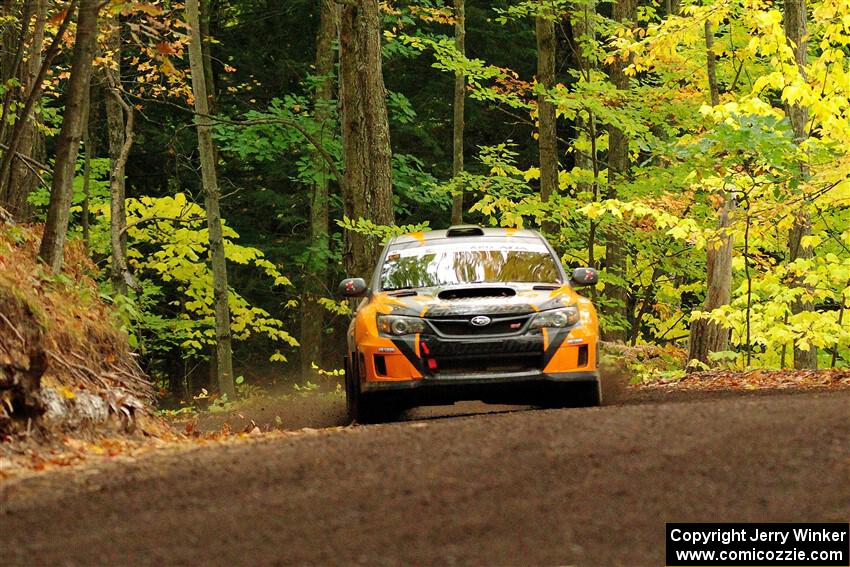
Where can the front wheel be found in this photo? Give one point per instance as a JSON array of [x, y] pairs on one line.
[[574, 394], [352, 389], [589, 393], [363, 407]]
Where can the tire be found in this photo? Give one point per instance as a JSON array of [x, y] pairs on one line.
[[590, 393], [351, 390], [374, 409], [574, 394], [363, 407]]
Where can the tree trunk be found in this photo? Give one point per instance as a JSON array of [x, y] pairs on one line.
[[61, 191], [795, 31], [87, 147], [841, 310], [706, 336], [582, 27], [460, 99], [315, 282], [548, 137], [12, 49], [586, 155], [205, 8], [367, 191], [203, 122], [22, 179], [119, 119], [618, 169], [32, 96]]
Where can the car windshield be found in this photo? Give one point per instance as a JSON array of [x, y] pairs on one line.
[[476, 262]]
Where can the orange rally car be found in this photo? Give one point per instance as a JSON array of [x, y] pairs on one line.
[[470, 313]]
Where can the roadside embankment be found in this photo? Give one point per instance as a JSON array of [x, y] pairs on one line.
[[65, 364]]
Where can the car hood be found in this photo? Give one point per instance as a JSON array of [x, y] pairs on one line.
[[464, 300]]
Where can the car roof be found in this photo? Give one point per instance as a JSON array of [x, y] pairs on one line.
[[482, 235]]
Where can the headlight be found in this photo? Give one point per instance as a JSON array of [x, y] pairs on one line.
[[399, 325], [566, 317]]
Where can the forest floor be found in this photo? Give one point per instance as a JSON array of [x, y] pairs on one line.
[[584, 486]]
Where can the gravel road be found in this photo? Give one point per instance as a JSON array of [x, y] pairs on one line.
[[543, 487]]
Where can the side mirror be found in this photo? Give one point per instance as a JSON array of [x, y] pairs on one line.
[[585, 276], [352, 287]]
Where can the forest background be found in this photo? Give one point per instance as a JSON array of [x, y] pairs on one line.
[[697, 153]]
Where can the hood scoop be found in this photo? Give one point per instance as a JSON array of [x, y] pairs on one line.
[[476, 292], [403, 293]]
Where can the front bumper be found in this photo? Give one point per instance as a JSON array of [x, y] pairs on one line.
[[453, 361], [510, 388], [529, 377]]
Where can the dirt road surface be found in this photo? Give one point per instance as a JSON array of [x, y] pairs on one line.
[[544, 487]]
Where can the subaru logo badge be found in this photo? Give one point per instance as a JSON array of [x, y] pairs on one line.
[[480, 321]]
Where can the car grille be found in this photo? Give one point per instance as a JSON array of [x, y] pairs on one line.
[[462, 326], [490, 365]]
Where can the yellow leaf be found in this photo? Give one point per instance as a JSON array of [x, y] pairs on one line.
[[531, 173], [167, 67]]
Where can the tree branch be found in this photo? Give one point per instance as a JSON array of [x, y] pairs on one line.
[[26, 159], [115, 90]]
